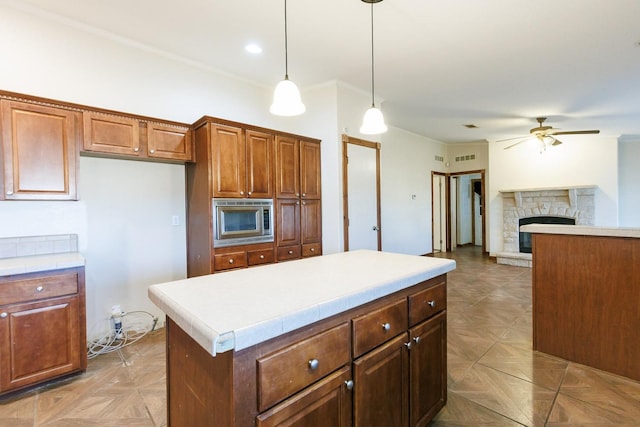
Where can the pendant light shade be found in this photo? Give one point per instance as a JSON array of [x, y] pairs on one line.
[[286, 96], [373, 121]]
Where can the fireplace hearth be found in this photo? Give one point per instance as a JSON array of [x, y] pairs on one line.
[[573, 205]]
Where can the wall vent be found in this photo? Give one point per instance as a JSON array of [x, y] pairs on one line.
[[439, 158], [465, 157]]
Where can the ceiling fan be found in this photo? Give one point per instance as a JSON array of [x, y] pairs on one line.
[[547, 135]]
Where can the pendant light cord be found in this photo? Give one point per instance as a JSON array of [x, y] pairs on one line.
[[286, 55], [373, 101]]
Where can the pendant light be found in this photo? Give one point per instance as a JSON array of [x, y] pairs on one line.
[[373, 121], [286, 96]]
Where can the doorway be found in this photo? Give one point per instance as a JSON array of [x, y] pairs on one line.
[[361, 194], [458, 210]]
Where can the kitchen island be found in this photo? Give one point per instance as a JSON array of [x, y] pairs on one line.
[[586, 295], [356, 338]]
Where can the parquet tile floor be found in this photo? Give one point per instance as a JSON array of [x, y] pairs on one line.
[[495, 379]]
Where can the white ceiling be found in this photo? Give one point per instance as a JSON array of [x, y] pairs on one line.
[[440, 64]]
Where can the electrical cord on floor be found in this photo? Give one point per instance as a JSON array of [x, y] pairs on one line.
[[134, 325]]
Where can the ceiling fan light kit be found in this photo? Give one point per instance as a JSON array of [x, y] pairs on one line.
[[286, 96], [373, 120]]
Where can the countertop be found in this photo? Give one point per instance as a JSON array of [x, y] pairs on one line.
[[582, 230], [35, 263], [237, 309]]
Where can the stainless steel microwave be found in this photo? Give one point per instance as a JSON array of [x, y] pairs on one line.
[[242, 221]]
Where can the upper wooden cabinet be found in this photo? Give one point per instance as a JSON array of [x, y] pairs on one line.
[[40, 151], [242, 162], [310, 170], [129, 136]]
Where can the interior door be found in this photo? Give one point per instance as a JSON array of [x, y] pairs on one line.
[[362, 195], [439, 212]]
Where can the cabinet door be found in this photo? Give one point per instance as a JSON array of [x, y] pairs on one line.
[[40, 151], [287, 167], [228, 160], [168, 142], [326, 403], [105, 133], [428, 369], [288, 222], [311, 221], [259, 165], [39, 341], [310, 170], [381, 388]]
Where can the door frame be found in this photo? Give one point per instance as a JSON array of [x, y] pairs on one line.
[[346, 139], [447, 175]]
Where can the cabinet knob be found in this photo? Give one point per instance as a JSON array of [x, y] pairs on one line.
[[386, 326], [431, 303], [297, 203], [297, 194], [40, 289], [231, 261], [152, 151], [290, 252], [312, 249], [9, 193], [249, 193], [304, 194], [313, 364], [408, 345], [136, 149], [416, 339], [261, 256], [241, 193], [349, 384], [3, 315]]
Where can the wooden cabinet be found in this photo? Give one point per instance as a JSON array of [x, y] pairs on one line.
[[242, 162], [42, 327], [40, 151], [129, 136], [379, 364], [298, 203], [243, 256]]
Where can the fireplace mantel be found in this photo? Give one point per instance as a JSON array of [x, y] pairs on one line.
[[576, 202]]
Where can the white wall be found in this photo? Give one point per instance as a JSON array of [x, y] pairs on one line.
[[580, 160], [629, 181]]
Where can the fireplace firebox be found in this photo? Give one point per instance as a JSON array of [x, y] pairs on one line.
[[525, 238]]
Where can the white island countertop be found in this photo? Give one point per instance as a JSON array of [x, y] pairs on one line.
[[582, 230], [237, 309]]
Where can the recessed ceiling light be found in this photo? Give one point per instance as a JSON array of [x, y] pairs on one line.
[[253, 48]]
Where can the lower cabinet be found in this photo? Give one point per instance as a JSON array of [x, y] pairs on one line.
[[42, 327], [380, 364], [232, 257]]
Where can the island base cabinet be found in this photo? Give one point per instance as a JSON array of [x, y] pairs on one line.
[[380, 378], [327, 403], [428, 369]]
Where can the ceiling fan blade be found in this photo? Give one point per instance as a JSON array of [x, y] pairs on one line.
[[575, 132], [517, 143], [511, 139]]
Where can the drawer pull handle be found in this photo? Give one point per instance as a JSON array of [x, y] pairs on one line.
[[231, 261], [313, 364], [408, 345], [349, 384], [3, 315], [249, 193], [261, 256], [241, 193], [152, 151], [290, 252], [9, 193], [432, 304], [40, 289], [136, 149], [386, 326], [313, 249], [416, 339]]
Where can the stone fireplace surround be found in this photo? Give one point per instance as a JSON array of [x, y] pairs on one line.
[[570, 202]]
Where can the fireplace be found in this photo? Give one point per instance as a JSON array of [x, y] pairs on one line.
[[525, 238], [574, 204]]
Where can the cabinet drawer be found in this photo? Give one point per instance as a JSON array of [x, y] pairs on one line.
[[230, 260], [38, 288], [425, 304], [372, 329], [311, 249], [289, 252], [289, 370], [264, 256]]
